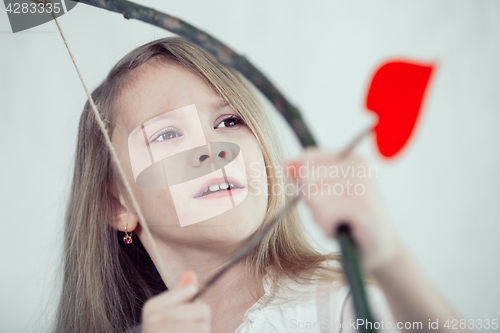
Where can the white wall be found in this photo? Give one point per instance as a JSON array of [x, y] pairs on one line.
[[442, 193]]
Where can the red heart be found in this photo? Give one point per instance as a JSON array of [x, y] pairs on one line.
[[395, 95]]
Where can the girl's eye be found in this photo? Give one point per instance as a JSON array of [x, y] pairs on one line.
[[230, 122], [165, 135]]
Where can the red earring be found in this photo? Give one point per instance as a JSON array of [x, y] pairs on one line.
[[127, 239]]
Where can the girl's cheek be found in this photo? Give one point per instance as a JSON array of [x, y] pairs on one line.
[[156, 201], [257, 176]]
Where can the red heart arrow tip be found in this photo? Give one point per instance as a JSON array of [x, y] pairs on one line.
[[396, 93]]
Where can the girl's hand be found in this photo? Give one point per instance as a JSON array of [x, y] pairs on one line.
[[338, 190], [171, 311]]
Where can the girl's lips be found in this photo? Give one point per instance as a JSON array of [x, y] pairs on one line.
[[221, 194], [219, 180]]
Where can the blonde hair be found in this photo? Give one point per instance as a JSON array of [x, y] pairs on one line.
[[105, 283]]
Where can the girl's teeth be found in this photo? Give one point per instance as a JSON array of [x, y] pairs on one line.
[[216, 187]]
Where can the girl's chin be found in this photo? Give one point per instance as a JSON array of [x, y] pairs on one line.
[[219, 209], [223, 236]]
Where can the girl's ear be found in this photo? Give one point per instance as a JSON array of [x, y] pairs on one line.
[[124, 217]]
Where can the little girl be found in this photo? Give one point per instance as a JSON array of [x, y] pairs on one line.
[[284, 285]]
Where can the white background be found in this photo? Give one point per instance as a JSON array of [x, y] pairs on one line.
[[442, 192]]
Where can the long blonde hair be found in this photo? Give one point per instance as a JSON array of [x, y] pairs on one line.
[[105, 283]]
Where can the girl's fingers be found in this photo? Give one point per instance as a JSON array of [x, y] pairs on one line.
[[173, 312], [292, 168]]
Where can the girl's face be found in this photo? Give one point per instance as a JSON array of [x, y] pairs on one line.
[[171, 121]]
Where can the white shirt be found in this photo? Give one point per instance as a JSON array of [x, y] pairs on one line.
[[311, 309]]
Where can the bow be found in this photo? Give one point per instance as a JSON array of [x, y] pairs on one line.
[[226, 56]]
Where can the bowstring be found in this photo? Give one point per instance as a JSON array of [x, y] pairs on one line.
[[115, 159]]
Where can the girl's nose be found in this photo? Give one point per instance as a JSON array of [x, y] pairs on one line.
[[223, 153]]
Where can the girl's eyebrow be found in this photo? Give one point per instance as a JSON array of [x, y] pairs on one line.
[[170, 114], [219, 104]]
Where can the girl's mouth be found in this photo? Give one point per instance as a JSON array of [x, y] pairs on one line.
[[220, 193], [218, 188]]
